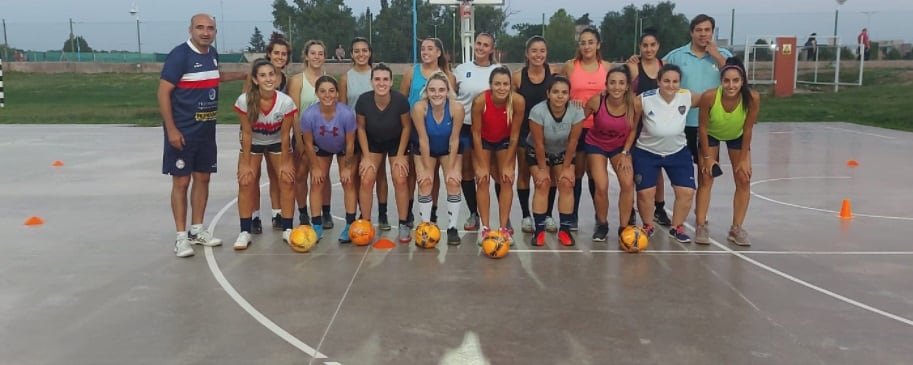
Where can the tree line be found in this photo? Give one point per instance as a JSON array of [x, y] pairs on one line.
[[390, 28]]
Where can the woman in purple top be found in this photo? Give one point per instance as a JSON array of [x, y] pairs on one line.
[[614, 114], [328, 128]]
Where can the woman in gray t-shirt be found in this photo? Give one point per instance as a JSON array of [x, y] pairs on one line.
[[554, 129]]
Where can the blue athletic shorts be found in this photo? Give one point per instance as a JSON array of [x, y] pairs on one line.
[[466, 137], [733, 144], [496, 146], [647, 167], [581, 143], [197, 156]]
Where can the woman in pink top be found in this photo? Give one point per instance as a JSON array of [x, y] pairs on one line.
[[614, 113], [587, 72]]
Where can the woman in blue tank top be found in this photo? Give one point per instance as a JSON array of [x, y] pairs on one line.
[[433, 119], [414, 81]]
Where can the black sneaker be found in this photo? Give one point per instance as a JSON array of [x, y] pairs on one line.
[[383, 223], [602, 231], [277, 222], [633, 220], [660, 217], [328, 222], [256, 226], [303, 219], [453, 237]]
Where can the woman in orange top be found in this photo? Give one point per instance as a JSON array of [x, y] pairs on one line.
[[587, 72]]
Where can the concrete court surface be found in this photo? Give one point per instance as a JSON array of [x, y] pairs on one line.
[[98, 283]]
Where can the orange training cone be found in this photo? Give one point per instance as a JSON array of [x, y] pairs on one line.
[[845, 210], [34, 221], [852, 163], [57, 163], [384, 244]]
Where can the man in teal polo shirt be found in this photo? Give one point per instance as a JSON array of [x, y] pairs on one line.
[[700, 62]]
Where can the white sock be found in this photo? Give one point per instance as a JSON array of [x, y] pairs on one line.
[[181, 236], [453, 209], [195, 229], [256, 214], [277, 212], [424, 207]]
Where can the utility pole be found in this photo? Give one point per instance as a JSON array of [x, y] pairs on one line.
[[732, 30], [543, 25], [72, 39]]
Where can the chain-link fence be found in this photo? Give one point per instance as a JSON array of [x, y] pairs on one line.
[[125, 42]]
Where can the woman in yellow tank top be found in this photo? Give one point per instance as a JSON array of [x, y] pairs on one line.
[[301, 89], [727, 113]]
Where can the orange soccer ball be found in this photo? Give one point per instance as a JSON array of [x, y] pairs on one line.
[[427, 235], [633, 239], [361, 232], [302, 239], [495, 245]]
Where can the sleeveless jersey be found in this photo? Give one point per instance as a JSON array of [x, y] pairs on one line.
[[439, 133], [357, 83], [609, 131], [266, 130], [643, 82], [495, 122], [586, 84], [664, 123], [532, 93], [308, 94], [418, 84], [726, 126]]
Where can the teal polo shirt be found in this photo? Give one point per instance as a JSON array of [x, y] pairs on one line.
[[698, 74]]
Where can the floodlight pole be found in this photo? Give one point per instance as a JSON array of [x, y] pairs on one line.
[[414, 32]]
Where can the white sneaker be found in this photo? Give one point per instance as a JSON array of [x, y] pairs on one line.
[[242, 242], [205, 238], [550, 224], [182, 247], [286, 235], [527, 225]]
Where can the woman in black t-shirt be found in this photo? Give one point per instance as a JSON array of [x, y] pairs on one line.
[[384, 125]]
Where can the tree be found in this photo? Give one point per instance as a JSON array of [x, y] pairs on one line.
[[328, 20], [620, 31], [514, 46], [257, 44], [560, 35], [584, 20], [77, 44]]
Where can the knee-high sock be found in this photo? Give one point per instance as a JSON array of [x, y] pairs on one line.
[[552, 195], [453, 209], [578, 190], [469, 191], [523, 196], [424, 207]]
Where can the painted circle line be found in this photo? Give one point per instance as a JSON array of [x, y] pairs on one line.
[[762, 197]]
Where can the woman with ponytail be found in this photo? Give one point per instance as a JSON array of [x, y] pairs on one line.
[[615, 114], [532, 83], [303, 91], [497, 114], [277, 52], [727, 113], [264, 134]]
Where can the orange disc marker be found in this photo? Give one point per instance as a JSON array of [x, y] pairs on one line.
[[34, 221], [852, 163], [384, 244], [57, 163]]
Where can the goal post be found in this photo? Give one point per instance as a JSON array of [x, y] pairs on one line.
[[467, 21]]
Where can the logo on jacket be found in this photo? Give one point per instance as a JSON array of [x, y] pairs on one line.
[[212, 94], [682, 109]]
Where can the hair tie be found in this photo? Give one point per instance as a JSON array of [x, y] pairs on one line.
[[737, 67]]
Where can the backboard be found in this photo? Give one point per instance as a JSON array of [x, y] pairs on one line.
[[474, 2]]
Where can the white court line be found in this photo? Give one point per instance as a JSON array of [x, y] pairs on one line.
[[230, 290], [762, 197], [721, 252], [858, 132], [806, 284], [339, 306]]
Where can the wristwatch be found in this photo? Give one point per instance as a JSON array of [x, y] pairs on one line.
[[625, 152]]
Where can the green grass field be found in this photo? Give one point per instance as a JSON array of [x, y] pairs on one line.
[[130, 99]]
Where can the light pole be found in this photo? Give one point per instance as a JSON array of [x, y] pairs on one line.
[[139, 45], [836, 18]]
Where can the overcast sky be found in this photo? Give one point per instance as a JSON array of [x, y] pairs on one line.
[[107, 24]]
